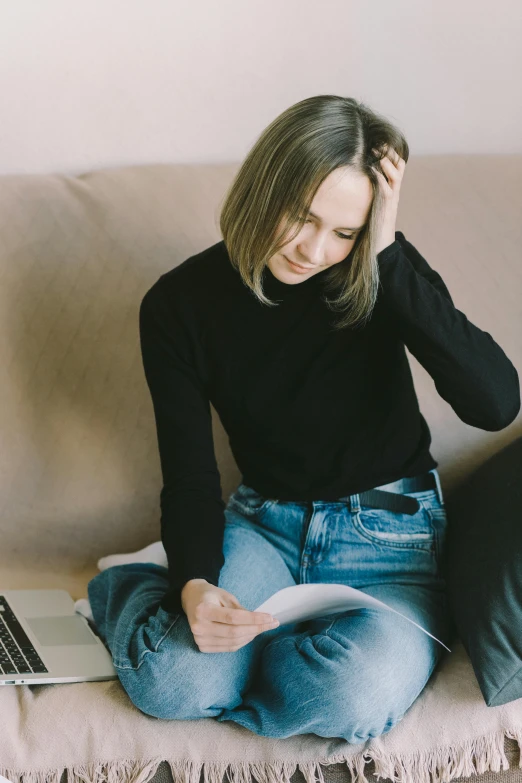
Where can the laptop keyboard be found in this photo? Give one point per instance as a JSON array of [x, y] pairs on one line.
[[17, 654]]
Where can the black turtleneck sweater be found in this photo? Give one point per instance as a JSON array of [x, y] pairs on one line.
[[311, 413]]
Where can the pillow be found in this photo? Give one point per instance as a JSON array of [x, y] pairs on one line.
[[483, 568]]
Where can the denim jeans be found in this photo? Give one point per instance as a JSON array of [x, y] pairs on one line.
[[350, 675]]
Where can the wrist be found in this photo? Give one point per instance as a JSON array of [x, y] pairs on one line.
[[387, 248], [386, 240], [194, 581]]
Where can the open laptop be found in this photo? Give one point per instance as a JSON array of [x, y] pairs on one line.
[[43, 640]]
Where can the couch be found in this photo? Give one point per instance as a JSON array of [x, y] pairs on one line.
[[80, 473]]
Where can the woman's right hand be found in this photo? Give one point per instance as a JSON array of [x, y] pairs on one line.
[[217, 620]]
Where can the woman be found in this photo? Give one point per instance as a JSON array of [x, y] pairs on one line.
[[338, 484]]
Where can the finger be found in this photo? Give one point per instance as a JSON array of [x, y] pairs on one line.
[[385, 164], [225, 644], [390, 156], [397, 161], [228, 631], [210, 636], [383, 179], [388, 164], [226, 614], [391, 173]]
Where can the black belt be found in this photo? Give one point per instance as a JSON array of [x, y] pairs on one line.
[[394, 501]]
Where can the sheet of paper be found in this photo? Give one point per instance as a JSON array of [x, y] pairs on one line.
[[304, 602]]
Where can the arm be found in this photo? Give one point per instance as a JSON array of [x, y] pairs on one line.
[[192, 509], [470, 370]]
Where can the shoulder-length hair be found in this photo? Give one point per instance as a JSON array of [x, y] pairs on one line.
[[278, 180]]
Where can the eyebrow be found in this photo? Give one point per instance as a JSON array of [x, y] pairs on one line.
[[344, 228]]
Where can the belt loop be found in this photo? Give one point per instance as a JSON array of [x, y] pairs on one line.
[[439, 486], [355, 504]]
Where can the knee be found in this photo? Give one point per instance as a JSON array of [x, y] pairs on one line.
[[164, 690], [356, 712], [334, 695], [358, 718], [168, 699], [179, 682]]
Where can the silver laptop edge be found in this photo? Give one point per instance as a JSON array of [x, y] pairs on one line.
[[64, 641]]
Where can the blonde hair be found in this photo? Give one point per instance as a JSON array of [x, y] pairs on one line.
[[278, 181]]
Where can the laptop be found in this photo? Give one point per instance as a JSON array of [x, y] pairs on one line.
[[43, 640]]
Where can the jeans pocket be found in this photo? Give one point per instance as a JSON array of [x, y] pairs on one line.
[[249, 503], [396, 529], [439, 521]]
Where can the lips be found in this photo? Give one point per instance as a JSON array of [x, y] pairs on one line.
[[305, 268]]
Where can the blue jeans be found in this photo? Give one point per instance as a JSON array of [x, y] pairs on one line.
[[350, 675]]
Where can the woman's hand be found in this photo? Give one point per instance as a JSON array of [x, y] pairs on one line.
[[217, 620], [393, 166]]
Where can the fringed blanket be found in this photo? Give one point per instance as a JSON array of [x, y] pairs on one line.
[[94, 731]]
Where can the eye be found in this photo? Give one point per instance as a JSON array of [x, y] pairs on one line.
[[341, 236]]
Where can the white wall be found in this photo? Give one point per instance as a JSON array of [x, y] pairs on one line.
[[100, 83]]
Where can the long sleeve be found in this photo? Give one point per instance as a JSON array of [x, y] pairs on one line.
[[192, 509], [470, 370]]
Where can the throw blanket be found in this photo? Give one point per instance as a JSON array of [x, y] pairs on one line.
[[94, 731]]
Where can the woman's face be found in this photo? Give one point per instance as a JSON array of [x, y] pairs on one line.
[[337, 214]]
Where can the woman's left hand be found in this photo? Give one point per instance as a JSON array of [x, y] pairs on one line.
[[393, 166]]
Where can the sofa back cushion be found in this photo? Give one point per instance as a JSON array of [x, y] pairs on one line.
[[80, 474], [484, 572]]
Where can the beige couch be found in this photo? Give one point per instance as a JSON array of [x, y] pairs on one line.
[[80, 472]]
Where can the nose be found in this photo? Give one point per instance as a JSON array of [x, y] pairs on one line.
[[312, 250]]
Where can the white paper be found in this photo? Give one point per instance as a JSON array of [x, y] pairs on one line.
[[304, 602], [4, 780]]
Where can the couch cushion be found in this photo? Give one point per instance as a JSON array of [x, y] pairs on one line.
[[484, 571], [80, 472]]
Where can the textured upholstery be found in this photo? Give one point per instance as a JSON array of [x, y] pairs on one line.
[[80, 474], [79, 467]]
